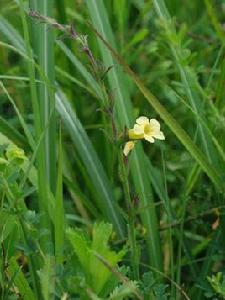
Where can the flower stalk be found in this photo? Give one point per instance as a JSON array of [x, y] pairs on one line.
[[131, 216]]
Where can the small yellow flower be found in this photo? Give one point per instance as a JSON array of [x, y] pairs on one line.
[[128, 147], [146, 129]]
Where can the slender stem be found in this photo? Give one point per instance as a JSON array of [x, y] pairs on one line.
[[131, 216], [168, 209], [180, 244]]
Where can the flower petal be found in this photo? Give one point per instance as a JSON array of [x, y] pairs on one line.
[[155, 124], [135, 136], [138, 129], [159, 135], [149, 138], [142, 120], [128, 147]]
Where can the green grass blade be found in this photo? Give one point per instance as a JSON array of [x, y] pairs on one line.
[[74, 80], [42, 176], [44, 49], [124, 117], [12, 133], [59, 211], [215, 22], [156, 180], [121, 9], [91, 161], [79, 66], [61, 7], [11, 34], [20, 117]]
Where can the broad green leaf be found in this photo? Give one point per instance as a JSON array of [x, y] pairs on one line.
[[97, 274], [101, 235]]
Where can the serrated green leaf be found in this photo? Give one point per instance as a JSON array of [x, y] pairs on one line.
[[20, 280], [97, 274], [123, 291]]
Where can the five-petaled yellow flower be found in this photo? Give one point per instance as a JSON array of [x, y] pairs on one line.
[[143, 129]]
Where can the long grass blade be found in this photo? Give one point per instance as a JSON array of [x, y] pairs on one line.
[[59, 210], [42, 176], [124, 118], [11, 34], [12, 133], [94, 168], [20, 117], [44, 49]]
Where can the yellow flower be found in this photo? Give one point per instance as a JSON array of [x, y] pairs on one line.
[[128, 147], [146, 129]]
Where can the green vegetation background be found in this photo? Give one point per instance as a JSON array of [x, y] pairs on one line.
[[78, 220]]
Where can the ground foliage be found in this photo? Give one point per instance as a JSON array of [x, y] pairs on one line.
[[78, 219]]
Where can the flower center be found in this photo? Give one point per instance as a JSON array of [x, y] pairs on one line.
[[147, 129]]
